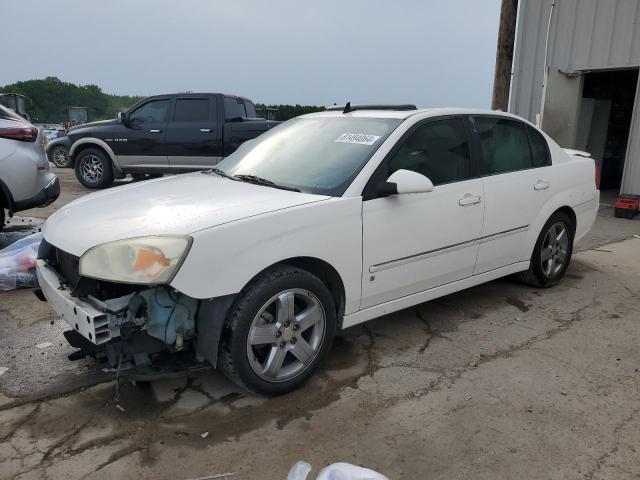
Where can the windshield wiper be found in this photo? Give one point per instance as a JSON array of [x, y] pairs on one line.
[[263, 181], [222, 173]]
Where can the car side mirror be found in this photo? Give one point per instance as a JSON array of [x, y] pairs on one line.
[[405, 181], [122, 118]]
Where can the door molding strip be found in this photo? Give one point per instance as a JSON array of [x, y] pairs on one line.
[[448, 249]]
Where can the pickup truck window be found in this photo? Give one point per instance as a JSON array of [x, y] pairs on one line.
[[234, 108], [315, 155], [250, 109], [191, 110], [151, 112]]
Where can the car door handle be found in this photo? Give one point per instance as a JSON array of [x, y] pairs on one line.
[[205, 130], [541, 185], [469, 199], [155, 130]]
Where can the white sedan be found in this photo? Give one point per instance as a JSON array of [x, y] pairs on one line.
[[329, 220]]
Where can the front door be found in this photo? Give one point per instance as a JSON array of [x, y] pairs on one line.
[[414, 242], [141, 142], [515, 163], [194, 134]]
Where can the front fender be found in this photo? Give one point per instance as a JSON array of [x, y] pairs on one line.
[[98, 142], [223, 259], [66, 141]]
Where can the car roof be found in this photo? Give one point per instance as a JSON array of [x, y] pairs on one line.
[[404, 114]]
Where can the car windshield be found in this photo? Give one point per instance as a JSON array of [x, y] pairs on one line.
[[318, 155]]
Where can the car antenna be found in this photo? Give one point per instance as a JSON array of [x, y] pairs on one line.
[[347, 108]]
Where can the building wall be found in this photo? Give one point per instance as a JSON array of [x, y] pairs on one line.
[[584, 35]]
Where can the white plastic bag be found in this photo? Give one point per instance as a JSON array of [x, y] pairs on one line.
[[299, 471], [346, 471], [18, 263], [337, 471]]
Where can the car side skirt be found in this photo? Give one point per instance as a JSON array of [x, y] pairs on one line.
[[425, 296]]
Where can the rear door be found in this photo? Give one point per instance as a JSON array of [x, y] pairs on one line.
[[141, 143], [517, 177], [194, 133]]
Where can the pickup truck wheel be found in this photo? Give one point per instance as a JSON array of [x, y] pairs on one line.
[[279, 330], [552, 253], [59, 156], [93, 169]]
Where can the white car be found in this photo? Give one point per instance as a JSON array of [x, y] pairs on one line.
[[329, 220]]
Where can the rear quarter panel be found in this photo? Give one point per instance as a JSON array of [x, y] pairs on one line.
[[223, 259], [572, 185]]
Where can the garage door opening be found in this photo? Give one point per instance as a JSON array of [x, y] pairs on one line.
[[605, 120]]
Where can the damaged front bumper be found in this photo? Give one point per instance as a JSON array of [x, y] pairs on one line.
[[127, 331]]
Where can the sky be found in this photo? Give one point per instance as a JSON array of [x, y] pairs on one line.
[[429, 52]]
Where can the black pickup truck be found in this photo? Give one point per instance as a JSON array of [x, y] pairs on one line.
[[161, 134]]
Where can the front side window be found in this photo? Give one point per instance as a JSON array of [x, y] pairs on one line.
[[316, 155], [438, 150], [191, 110], [504, 145], [151, 112]]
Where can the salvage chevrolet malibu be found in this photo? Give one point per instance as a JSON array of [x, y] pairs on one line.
[[324, 222]]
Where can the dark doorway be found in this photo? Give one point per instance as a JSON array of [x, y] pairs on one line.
[[605, 121]]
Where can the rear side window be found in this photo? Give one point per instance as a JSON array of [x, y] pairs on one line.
[[191, 110], [438, 150], [539, 148], [504, 145], [234, 108], [250, 109]]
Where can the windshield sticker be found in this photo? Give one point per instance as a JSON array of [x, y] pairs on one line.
[[357, 138]]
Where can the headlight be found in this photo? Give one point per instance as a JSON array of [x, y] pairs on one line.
[[145, 260]]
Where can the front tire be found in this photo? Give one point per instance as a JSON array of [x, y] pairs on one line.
[[94, 169], [278, 331], [59, 156], [552, 252]]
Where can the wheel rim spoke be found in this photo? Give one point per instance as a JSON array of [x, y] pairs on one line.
[[274, 362], [546, 254], [303, 351], [262, 334], [285, 307], [309, 317]]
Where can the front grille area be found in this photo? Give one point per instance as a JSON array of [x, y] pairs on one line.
[[67, 265]]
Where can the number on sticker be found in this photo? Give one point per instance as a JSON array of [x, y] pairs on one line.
[[357, 138]]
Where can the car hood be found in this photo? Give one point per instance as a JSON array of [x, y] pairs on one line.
[[177, 205], [99, 123]]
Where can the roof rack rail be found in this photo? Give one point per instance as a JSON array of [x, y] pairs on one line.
[[350, 108]]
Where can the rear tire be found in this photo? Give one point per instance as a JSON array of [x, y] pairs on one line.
[[94, 169], [552, 252], [279, 329], [59, 156]]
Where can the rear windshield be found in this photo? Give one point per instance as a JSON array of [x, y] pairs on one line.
[[316, 155]]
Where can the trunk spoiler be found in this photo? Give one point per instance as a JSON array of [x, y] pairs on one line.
[[576, 153]]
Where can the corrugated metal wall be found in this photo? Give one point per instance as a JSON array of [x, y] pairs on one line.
[[585, 35]]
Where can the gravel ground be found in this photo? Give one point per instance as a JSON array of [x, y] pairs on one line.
[[500, 381]]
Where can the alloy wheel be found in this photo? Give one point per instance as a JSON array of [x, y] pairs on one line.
[[60, 157], [555, 248], [91, 168], [286, 335]]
